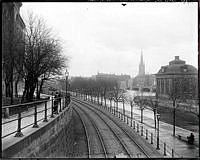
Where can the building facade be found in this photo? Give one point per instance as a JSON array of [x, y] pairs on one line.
[[177, 80], [13, 45]]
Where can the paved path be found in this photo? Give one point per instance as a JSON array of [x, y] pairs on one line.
[[182, 148]]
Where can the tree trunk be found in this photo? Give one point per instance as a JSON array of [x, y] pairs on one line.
[[16, 84], [117, 107], [11, 91], [7, 89], [40, 89], [141, 115]]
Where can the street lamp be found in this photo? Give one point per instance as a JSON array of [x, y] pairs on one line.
[[174, 116], [67, 75], [158, 118]]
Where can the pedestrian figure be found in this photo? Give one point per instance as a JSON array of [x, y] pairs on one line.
[[191, 138]]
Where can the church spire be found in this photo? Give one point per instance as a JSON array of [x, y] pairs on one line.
[[141, 59], [141, 66]]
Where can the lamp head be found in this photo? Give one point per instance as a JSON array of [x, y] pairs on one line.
[[158, 116]]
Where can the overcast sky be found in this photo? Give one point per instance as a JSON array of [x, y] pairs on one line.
[[108, 37]]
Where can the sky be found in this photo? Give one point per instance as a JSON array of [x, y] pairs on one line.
[[109, 37]]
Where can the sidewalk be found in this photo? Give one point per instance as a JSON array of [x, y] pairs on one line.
[[182, 148]]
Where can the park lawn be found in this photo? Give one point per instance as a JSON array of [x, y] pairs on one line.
[[183, 119]]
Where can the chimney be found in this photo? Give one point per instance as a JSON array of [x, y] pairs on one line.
[[176, 57]]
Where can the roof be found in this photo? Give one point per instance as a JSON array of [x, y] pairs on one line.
[[177, 66]]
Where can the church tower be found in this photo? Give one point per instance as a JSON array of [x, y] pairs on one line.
[[141, 66]]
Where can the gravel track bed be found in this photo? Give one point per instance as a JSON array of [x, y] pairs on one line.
[[96, 150], [80, 142], [145, 145], [112, 145]]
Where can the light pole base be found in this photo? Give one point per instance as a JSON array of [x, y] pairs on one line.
[[19, 134]]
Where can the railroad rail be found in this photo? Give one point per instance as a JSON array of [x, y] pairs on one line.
[[126, 133], [96, 129]]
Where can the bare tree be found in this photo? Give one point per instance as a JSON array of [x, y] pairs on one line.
[[42, 55], [129, 97], [140, 101], [117, 93]]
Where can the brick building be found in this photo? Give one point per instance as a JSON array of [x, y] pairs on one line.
[[13, 46]]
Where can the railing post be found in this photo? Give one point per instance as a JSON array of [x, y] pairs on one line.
[[141, 130], [60, 104], [63, 102], [19, 133], [127, 119], [172, 153], [52, 116], [45, 112], [146, 134], [137, 127], [151, 138], [133, 124], [35, 117], [165, 149]]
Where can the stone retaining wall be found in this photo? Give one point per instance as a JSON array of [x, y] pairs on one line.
[[54, 139]]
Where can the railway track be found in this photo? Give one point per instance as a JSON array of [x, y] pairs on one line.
[[89, 144], [86, 133], [115, 132]]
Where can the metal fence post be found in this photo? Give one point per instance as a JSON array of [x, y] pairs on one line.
[[146, 134], [151, 138], [137, 127], [35, 117], [172, 153], [165, 149], [63, 102], [133, 124], [141, 130], [60, 104], [127, 119], [19, 133], [45, 112], [52, 116]]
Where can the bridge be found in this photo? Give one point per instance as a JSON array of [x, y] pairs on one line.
[[144, 88], [84, 129]]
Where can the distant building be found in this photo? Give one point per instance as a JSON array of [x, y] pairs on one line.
[[13, 45], [177, 79], [143, 80]]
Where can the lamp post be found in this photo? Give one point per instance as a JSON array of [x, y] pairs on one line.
[[174, 115], [66, 74], [158, 118]]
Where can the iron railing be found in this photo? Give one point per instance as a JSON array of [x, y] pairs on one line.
[[37, 108]]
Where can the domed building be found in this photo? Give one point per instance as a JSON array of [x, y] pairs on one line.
[[177, 80]]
